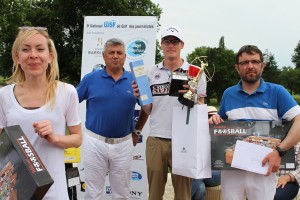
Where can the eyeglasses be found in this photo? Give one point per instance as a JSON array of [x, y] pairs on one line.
[[174, 42], [253, 62], [37, 28]]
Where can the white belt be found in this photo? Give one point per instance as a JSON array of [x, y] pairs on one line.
[[108, 140]]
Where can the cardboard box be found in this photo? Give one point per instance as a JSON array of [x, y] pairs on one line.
[[266, 133], [23, 175], [140, 75]]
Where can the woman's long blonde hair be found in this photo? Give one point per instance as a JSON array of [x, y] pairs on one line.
[[52, 72]]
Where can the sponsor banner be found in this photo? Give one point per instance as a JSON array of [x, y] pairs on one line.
[[265, 133], [137, 32]]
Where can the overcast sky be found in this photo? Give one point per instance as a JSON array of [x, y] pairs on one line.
[[272, 25]]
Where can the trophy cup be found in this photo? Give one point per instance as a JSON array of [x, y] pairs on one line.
[[194, 74]]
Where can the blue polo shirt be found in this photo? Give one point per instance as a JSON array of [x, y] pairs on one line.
[[269, 102], [109, 104]]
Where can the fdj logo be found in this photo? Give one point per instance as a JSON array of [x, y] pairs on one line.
[[109, 24], [136, 48], [108, 190]]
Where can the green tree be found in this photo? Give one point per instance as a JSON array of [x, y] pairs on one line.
[[271, 72], [13, 13], [64, 20], [296, 56], [296, 80], [222, 43], [289, 78], [158, 55]]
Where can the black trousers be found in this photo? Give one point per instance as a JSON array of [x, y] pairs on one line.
[[289, 191]]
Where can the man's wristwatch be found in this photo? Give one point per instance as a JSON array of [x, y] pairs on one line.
[[137, 132], [281, 151]]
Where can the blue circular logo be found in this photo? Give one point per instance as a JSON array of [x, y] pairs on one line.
[[136, 48]]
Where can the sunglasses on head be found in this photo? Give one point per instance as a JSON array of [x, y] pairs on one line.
[[37, 28]]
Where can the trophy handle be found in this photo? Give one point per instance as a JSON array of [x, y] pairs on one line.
[[199, 70]]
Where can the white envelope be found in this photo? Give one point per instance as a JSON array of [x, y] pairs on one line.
[[249, 156]]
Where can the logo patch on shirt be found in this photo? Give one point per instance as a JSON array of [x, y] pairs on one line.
[[160, 89], [157, 76], [108, 190]]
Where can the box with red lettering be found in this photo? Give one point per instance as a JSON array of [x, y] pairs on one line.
[[22, 173]]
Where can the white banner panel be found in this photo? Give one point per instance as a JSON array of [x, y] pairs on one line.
[[139, 36], [137, 32]]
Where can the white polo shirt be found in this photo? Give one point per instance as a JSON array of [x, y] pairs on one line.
[[162, 109]]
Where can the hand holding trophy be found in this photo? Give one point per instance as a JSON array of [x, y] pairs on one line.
[[194, 74], [191, 97]]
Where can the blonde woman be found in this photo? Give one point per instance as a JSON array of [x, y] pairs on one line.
[[43, 106]]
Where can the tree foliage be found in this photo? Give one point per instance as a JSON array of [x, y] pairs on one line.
[[64, 20], [222, 43], [12, 15], [271, 72], [289, 77], [296, 56], [158, 54]]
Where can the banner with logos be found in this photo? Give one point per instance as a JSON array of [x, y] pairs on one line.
[[139, 35], [137, 32]]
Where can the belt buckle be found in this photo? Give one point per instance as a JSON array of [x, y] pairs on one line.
[[109, 140]]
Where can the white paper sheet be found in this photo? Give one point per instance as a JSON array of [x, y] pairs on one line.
[[248, 156]]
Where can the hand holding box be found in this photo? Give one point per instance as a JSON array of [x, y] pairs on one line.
[[139, 72]]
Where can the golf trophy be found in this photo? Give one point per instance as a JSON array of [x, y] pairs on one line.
[[194, 74]]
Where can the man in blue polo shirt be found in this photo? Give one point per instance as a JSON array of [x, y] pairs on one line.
[[109, 142], [254, 99]]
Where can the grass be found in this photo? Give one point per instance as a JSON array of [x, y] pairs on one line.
[[213, 102], [297, 98]]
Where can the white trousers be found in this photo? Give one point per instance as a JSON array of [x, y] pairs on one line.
[[100, 158], [238, 184]]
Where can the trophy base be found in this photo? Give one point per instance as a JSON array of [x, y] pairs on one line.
[[186, 102]]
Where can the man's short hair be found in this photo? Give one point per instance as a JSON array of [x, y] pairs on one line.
[[249, 49], [113, 41]]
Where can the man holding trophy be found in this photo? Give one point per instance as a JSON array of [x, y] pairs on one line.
[[159, 142]]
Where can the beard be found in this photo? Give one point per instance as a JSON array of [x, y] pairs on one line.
[[251, 77]]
